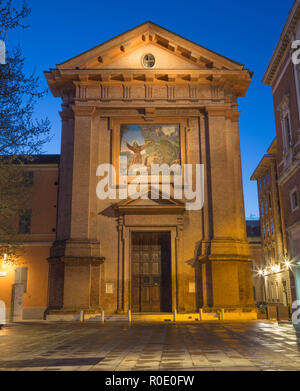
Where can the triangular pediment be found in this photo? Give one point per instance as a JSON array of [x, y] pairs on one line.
[[151, 202], [163, 60], [171, 51]]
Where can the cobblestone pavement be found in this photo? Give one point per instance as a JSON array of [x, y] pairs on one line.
[[209, 346]]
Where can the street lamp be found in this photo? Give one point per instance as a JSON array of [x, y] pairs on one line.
[[4, 274]]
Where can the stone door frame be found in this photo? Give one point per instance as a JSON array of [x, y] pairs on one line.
[[125, 276]]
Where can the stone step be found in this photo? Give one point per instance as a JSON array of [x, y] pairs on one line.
[[116, 317]]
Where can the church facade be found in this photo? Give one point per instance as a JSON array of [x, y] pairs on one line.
[[147, 97]]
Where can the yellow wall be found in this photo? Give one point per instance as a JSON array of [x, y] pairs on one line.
[[36, 245]]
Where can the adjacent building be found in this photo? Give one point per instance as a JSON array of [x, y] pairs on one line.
[[36, 230], [273, 272], [278, 174], [254, 239]]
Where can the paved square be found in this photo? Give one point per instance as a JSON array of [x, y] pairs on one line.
[[114, 346]]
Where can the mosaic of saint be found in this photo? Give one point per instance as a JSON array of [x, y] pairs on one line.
[[150, 144]]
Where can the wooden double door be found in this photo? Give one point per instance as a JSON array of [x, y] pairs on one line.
[[151, 272]]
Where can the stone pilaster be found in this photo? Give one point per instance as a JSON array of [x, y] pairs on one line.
[[65, 175], [226, 269], [74, 275], [81, 173], [228, 230], [83, 227]]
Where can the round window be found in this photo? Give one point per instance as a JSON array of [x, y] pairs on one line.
[[148, 61]]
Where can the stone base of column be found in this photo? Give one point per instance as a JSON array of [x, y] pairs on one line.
[[226, 282], [74, 282]]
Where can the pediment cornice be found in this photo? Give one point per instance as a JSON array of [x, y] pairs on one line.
[[67, 80], [203, 66], [145, 204]]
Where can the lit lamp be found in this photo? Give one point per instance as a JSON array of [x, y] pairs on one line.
[[4, 274]]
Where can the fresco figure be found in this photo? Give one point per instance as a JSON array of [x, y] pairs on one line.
[[136, 149]]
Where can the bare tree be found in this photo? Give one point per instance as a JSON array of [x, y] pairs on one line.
[[21, 136]]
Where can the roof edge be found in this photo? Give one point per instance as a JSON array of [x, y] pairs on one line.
[[264, 158], [282, 44], [42, 159], [160, 27]]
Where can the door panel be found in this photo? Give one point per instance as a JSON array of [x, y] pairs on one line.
[[146, 259]]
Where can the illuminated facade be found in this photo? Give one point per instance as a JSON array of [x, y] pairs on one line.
[[153, 97], [105, 251]]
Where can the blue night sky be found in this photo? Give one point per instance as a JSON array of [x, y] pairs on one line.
[[246, 31]]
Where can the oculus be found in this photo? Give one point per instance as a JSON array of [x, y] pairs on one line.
[[148, 60]]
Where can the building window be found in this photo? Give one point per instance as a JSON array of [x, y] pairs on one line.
[[294, 239], [284, 108], [148, 61], [264, 231], [272, 227], [287, 134], [260, 185], [273, 253], [268, 176], [294, 199], [262, 207], [24, 221], [264, 181], [270, 204], [266, 206], [21, 276], [277, 291], [270, 292], [268, 231]]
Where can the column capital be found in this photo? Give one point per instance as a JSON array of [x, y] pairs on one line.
[[66, 114], [83, 111], [233, 114], [222, 111], [219, 111]]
